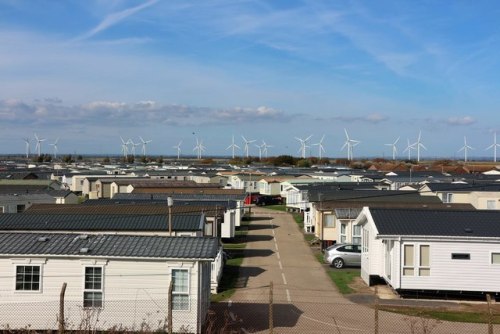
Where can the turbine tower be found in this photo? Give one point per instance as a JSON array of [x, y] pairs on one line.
[[408, 148], [233, 146], [303, 145], [247, 142], [418, 144], [38, 146], [124, 147], [144, 143], [466, 149], [265, 146], [178, 148], [27, 141], [259, 147], [54, 145], [199, 148], [133, 146], [393, 148], [349, 144], [321, 149], [494, 147]]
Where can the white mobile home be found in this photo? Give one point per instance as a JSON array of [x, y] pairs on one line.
[[451, 253], [113, 281]]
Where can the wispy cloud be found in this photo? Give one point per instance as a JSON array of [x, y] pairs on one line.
[[463, 120], [53, 111], [369, 118], [115, 18]]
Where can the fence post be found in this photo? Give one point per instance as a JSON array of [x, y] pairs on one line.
[[61, 309], [376, 311], [169, 316], [490, 314], [271, 317]]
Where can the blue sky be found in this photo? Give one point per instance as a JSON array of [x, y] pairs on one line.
[[92, 71]]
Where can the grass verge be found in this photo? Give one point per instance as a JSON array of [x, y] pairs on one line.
[[458, 316], [342, 279], [235, 253]]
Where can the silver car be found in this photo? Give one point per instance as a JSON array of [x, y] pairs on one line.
[[341, 255]]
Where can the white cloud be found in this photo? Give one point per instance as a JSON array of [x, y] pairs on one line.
[[465, 120], [369, 118], [144, 112]]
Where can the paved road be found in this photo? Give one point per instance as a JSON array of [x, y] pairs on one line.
[[305, 300]]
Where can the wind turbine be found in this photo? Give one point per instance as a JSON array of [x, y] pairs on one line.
[[321, 149], [494, 147], [133, 146], [418, 144], [247, 142], [303, 145], [408, 148], [199, 148], [466, 149], [124, 147], [259, 147], [28, 147], [144, 143], [349, 144], [265, 146], [54, 144], [38, 146], [394, 148], [233, 146], [178, 148]]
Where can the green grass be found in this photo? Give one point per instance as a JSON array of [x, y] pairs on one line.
[[309, 236], [342, 279], [230, 276], [474, 317], [299, 219], [234, 249], [280, 207]]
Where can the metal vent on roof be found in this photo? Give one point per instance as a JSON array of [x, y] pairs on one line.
[[84, 250], [42, 239], [467, 230], [83, 236]]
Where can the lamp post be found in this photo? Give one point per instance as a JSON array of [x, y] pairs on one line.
[[170, 203]]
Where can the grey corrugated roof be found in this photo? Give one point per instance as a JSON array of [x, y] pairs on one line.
[[109, 246], [164, 196], [82, 223], [461, 187], [132, 208], [229, 204], [400, 196], [347, 213], [481, 223]]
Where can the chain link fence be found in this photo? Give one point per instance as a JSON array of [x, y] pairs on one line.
[[262, 311]]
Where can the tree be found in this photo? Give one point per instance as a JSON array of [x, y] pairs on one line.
[[68, 159], [284, 160], [304, 163]]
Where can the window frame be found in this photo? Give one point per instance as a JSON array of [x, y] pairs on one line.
[[356, 238], [86, 290], [365, 240], [343, 232], [407, 267], [491, 258], [417, 268], [491, 204], [40, 276], [186, 293], [333, 223]]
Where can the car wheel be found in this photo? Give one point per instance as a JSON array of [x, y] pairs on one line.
[[338, 263]]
